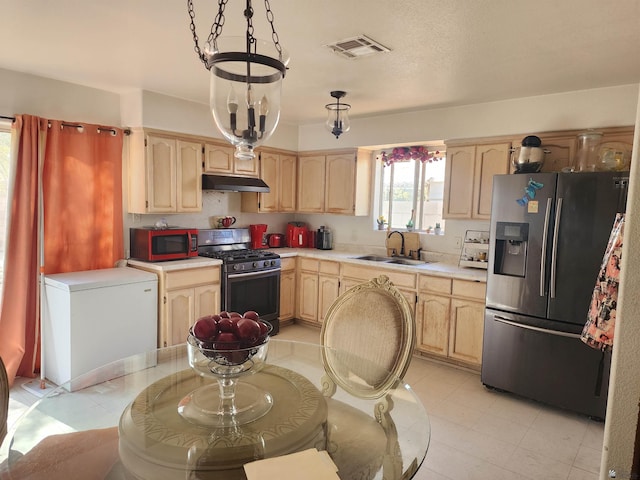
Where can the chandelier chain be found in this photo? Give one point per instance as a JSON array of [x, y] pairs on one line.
[[274, 34], [216, 28]]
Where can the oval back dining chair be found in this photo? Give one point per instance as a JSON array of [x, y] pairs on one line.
[[371, 334]]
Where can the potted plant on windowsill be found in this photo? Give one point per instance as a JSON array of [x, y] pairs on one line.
[[381, 221]]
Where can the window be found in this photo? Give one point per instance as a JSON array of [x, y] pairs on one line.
[[413, 186], [5, 146]]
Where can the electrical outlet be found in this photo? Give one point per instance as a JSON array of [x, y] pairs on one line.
[[457, 241]]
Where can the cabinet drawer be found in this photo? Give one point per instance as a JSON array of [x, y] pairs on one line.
[[287, 264], [309, 264], [466, 288], [399, 279], [435, 284], [192, 277], [330, 268]]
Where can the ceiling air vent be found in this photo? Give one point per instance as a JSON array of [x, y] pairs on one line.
[[357, 47]]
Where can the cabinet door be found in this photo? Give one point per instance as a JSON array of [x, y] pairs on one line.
[[340, 184], [458, 182], [433, 319], [466, 330], [308, 296], [287, 295], [246, 168], [161, 174], [270, 173], [218, 158], [490, 160], [328, 290], [189, 177], [207, 300], [561, 153], [311, 184], [287, 185], [181, 314]]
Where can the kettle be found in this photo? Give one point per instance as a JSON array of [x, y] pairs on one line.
[[323, 238]]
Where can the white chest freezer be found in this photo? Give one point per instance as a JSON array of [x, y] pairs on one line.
[[95, 317]]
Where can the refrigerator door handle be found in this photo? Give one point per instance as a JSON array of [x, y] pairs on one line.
[[554, 248], [543, 261], [535, 329]]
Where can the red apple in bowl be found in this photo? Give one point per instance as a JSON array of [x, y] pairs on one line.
[[247, 330], [205, 328]]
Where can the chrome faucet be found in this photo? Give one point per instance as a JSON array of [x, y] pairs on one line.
[[402, 244]]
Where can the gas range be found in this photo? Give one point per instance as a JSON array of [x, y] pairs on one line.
[[231, 245]]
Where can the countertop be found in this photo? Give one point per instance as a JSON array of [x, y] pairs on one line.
[[440, 269], [172, 265], [436, 268]]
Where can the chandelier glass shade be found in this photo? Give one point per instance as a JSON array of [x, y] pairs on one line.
[[245, 81], [338, 115]]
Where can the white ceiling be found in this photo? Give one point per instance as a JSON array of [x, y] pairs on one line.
[[443, 52]]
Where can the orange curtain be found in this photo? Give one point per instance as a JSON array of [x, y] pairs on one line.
[[82, 192], [19, 321], [80, 174]]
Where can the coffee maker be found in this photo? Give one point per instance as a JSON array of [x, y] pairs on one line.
[[258, 234]]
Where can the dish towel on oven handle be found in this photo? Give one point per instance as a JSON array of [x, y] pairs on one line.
[[599, 330]]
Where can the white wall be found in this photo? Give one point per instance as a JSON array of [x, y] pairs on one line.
[[624, 392], [604, 107], [22, 93]]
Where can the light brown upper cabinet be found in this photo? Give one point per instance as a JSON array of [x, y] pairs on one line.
[[278, 170], [334, 182], [219, 159], [469, 178], [164, 173]]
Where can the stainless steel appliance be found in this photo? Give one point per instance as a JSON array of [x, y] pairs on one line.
[[548, 235], [324, 239], [250, 278]]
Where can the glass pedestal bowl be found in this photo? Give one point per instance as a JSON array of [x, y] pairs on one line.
[[227, 402]]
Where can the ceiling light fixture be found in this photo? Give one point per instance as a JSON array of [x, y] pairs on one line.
[[338, 114], [240, 73]]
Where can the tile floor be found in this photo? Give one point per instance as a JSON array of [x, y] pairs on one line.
[[476, 434]]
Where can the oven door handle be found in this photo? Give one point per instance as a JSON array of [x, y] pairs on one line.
[[252, 274]]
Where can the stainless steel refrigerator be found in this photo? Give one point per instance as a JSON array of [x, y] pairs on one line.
[[548, 236]]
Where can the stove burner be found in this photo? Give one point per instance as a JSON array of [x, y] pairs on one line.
[[245, 255]]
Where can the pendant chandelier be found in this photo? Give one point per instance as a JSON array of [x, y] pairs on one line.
[[338, 114], [245, 80]]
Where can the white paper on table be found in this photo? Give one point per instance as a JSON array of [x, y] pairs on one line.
[[309, 464]]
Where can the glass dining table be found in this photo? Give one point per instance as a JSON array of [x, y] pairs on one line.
[[127, 420]]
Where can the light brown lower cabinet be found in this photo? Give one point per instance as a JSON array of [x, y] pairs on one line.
[[352, 275], [318, 287], [183, 297], [450, 318], [288, 289]]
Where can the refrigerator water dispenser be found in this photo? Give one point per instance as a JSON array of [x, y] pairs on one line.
[[511, 249]]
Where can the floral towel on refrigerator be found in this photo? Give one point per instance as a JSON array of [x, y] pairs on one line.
[[599, 330]]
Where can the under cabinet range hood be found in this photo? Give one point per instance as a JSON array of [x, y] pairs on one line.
[[234, 184]]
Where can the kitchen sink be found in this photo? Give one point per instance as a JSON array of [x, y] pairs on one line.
[[406, 261], [392, 260], [374, 258]]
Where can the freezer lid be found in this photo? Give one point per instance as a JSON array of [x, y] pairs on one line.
[[90, 279]]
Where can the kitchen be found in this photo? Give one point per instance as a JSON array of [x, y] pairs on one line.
[[603, 107]]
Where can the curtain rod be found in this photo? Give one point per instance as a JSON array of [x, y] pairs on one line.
[[76, 125]]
